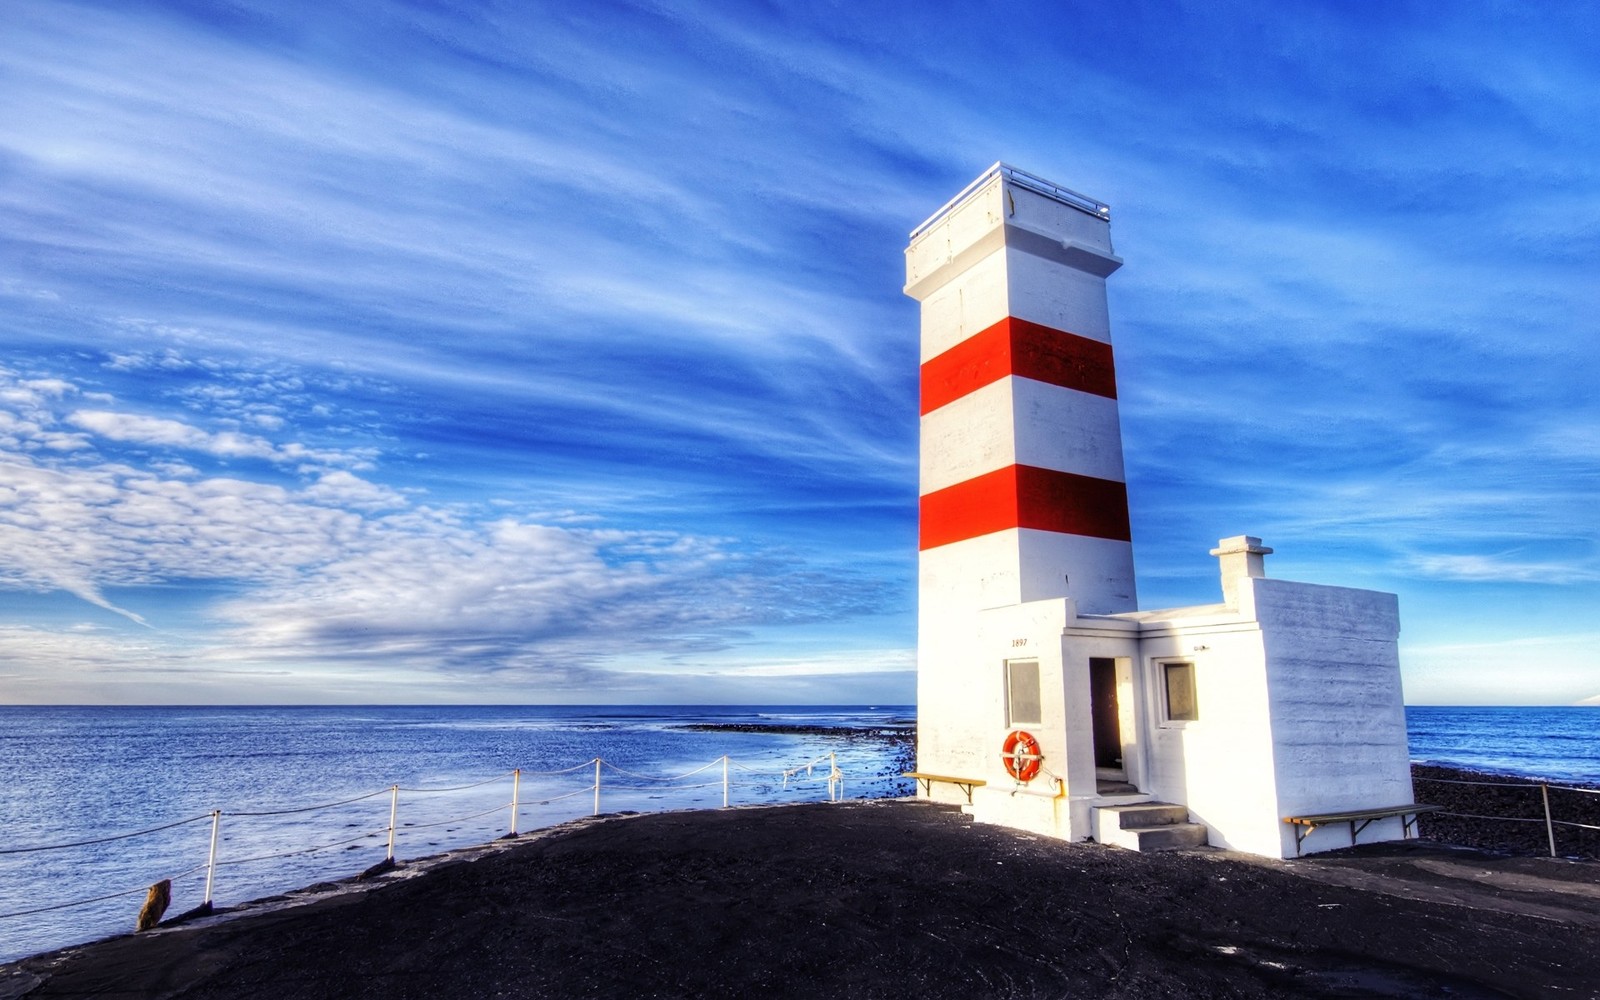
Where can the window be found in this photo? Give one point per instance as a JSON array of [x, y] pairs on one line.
[[1178, 681], [1022, 693]]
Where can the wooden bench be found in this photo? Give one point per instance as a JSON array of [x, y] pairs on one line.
[[1358, 820], [927, 780]]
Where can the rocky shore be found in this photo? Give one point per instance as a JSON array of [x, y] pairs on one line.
[[886, 898], [1500, 813]]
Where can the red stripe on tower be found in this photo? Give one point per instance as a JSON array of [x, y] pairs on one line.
[[1018, 347], [1023, 496]]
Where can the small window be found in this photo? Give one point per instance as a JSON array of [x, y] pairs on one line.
[[1022, 693], [1179, 683]]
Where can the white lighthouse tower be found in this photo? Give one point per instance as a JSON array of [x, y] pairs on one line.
[[1046, 699], [1022, 491]]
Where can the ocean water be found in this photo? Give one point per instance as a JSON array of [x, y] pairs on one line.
[[69, 775], [1560, 744]]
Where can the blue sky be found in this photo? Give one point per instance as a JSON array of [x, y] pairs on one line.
[[541, 352]]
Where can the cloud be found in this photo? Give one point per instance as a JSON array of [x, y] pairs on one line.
[[339, 569], [1504, 566], [138, 429], [1550, 669]]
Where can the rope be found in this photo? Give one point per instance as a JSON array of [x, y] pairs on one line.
[[304, 850], [1508, 819], [1518, 819], [302, 809], [650, 777], [459, 819], [459, 788], [807, 766], [1512, 784], [1490, 784], [785, 772], [585, 790], [565, 770], [797, 779], [834, 775], [102, 840], [650, 788], [96, 899]]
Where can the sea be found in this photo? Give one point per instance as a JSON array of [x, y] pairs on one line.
[[97, 803]]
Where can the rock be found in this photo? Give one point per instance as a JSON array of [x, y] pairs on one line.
[[155, 904]]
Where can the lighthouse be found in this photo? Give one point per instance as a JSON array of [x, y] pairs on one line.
[[1047, 700], [1022, 493]]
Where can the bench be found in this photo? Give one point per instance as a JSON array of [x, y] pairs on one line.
[[927, 780], [1358, 820]]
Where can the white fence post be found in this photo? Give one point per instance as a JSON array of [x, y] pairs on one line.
[[1549, 828], [597, 786], [394, 807], [516, 787], [211, 858], [724, 781]]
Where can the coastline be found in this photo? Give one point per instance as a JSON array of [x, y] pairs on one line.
[[875, 898]]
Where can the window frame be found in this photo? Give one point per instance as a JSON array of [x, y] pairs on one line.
[[1165, 669], [1012, 719]]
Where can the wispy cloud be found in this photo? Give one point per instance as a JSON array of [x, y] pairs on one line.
[[340, 569]]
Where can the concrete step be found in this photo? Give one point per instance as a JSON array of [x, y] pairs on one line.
[[1150, 826], [1168, 837], [1148, 814]]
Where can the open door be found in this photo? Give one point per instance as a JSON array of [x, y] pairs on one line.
[[1107, 718]]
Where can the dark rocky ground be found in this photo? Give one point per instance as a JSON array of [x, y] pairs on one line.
[[875, 899]]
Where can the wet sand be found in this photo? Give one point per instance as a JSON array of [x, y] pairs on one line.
[[887, 898]]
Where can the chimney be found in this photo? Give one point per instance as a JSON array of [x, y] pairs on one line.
[[1241, 556]]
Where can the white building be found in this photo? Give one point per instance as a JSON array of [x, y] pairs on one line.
[[1283, 700]]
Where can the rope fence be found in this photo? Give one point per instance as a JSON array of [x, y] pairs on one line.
[[1543, 787], [394, 828]]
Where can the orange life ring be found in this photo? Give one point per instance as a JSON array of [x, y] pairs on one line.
[[1021, 755]]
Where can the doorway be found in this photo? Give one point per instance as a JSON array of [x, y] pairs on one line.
[[1107, 718]]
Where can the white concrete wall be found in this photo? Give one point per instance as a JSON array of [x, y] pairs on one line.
[[1066, 430], [1019, 565], [1338, 711], [1017, 421], [1220, 765], [1049, 217], [967, 303], [947, 247], [967, 277], [1058, 296], [1097, 573], [1056, 803], [1301, 712]]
